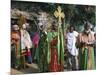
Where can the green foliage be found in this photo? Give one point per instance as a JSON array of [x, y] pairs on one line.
[[74, 14]]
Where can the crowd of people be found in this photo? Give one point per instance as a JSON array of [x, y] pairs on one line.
[[43, 49]]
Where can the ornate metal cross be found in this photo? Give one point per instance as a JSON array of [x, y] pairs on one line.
[[59, 14]]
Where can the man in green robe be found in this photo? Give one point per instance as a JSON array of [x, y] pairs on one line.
[[41, 52]]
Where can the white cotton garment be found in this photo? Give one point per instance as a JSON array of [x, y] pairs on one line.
[[71, 40], [25, 40]]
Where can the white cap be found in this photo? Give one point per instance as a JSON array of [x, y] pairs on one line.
[[15, 27]]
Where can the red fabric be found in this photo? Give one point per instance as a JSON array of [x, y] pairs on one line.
[[54, 66], [28, 52], [54, 60], [54, 57], [36, 39]]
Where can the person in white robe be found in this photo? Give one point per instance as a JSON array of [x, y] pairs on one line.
[[26, 43], [71, 39]]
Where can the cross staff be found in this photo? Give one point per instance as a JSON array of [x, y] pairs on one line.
[[59, 14]]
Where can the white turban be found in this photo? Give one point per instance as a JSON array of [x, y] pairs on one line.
[[15, 27]]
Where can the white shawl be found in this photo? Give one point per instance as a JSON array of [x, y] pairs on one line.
[[25, 40], [71, 40]]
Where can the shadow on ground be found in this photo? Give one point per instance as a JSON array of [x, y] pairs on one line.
[[32, 68]]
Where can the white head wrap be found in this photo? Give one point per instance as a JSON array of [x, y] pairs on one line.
[[15, 27]]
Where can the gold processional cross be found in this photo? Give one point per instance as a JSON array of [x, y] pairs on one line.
[[59, 14]]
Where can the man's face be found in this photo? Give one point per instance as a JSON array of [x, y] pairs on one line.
[[71, 29], [53, 27], [87, 27], [41, 27]]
